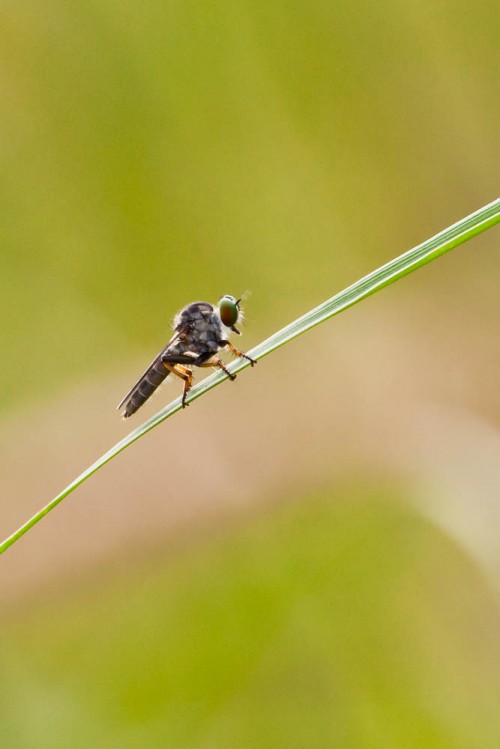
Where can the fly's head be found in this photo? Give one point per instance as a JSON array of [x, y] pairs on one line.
[[230, 312]]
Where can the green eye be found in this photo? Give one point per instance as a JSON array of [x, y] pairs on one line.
[[228, 310]]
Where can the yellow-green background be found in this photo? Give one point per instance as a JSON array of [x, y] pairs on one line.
[[308, 557]]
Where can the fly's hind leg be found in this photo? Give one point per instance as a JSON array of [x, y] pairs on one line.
[[185, 374], [235, 351]]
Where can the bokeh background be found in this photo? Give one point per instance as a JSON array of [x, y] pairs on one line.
[[308, 557]]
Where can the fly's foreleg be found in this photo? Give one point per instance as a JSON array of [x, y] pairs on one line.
[[185, 374], [235, 351]]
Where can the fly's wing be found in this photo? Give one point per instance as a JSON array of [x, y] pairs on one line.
[[152, 367]]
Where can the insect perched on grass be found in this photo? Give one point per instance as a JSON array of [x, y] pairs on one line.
[[201, 330]]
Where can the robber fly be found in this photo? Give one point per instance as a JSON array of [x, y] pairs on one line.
[[201, 330]]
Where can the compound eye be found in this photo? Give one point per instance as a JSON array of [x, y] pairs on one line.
[[228, 310]]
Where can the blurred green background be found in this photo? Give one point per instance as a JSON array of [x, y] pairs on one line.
[[308, 557]]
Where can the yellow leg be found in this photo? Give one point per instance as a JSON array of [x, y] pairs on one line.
[[185, 374], [221, 365], [214, 361], [235, 351]]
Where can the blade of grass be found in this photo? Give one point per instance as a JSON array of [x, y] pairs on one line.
[[431, 249]]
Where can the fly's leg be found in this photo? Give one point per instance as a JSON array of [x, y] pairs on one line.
[[185, 374], [235, 351], [188, 382], [210, 360], [219, 363]]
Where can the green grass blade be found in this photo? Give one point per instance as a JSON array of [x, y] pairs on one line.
[[433, 248]]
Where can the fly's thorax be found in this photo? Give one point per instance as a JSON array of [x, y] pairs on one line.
[[206, 335], [199, 329], [202, 326], [193, 313]]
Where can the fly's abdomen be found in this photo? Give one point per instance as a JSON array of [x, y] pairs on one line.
[[145, 387]]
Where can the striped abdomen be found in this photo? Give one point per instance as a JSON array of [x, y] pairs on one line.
[[144, 388]]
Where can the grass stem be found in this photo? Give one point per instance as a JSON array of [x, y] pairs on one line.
[[387, 274]]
